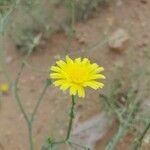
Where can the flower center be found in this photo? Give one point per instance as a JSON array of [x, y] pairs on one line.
[[78, 75]]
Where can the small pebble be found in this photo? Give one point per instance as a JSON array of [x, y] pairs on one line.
[[118, 40]]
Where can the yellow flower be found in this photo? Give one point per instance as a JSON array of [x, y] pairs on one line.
[[76, 75], [4, 88]]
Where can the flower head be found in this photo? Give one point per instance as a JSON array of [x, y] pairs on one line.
[[4, 88], [76, 74]]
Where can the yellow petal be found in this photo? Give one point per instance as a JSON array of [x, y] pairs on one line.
[[59, 82], [78, 60], [61, 63], [97, 76], [56, 76], [69, 60], [81, 92], [99, 69], [56, 69], [73, 90], [65, 86], [85, 61], [94, 66], [94, 84]]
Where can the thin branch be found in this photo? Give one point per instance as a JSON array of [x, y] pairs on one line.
[[17, 95], [71, 115], [40, 99], [18, 100], [78, 145], [140, 139], [11, 10]]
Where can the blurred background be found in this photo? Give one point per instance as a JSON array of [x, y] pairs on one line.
[[112, 33]]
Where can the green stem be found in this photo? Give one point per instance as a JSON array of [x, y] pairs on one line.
[[139, 141], [120, 133], [67, 139], [17, 97], [72, 17], [39, 100], [30, 132], [80, 146], [71, 115], [18, 100]]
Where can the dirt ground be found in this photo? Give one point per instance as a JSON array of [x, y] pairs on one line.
[[51, 119]]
